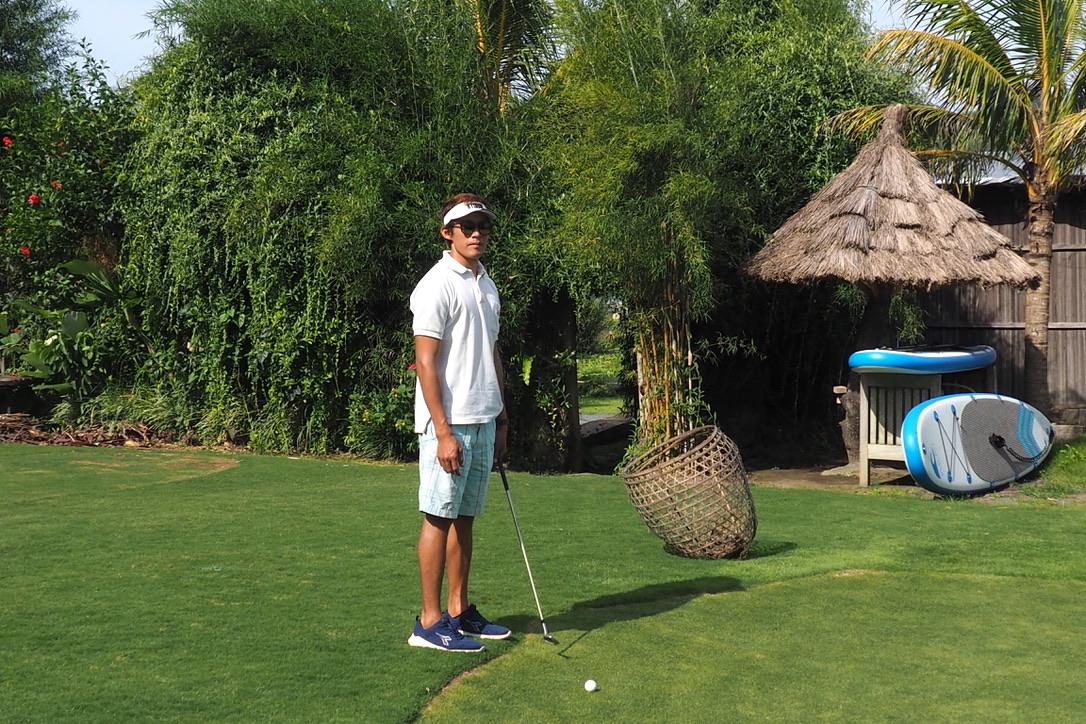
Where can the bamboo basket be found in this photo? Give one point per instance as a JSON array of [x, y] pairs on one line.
[[692, 491]]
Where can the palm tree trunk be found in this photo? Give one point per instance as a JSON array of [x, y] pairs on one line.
[[1041, 228]]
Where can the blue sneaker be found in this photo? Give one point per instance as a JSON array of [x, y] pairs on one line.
[[473, 623], [442, 635]]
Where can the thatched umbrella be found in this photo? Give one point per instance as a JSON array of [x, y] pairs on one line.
[[883, 224], [884, 221]]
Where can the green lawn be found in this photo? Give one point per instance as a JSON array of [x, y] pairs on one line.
[[209, 587], [598, 375]]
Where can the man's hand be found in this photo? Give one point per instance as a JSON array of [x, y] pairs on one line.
[[450, 456]]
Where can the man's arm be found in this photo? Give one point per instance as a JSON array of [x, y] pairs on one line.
[[449, 453]]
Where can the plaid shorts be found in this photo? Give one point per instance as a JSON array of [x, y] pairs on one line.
[[449, 496]]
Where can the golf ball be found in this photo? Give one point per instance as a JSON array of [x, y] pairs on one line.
[[590, 685]]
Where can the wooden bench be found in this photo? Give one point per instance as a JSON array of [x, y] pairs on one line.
[[885, 399]]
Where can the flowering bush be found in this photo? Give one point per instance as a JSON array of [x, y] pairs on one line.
[[56, 204], [382, 425], [57, 184]]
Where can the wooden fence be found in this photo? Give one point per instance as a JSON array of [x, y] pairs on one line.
[[970, 315]]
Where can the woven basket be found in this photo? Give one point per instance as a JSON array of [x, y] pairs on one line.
[[692, 491]]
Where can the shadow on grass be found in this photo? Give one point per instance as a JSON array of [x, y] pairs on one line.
[[767, 548], [644, 602]]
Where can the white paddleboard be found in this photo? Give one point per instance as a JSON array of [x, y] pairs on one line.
[[970, 443]]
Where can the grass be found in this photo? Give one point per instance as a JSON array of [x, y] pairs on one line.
[[601, 405], [598, 374], [209, 587], [1063, 474]]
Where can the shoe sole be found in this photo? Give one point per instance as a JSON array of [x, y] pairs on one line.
[[422, 643], [492, 637]]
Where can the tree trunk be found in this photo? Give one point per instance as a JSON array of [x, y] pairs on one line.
[[1042, 207], [567, 310]]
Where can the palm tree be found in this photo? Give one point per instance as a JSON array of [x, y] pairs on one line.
[[1009, 82], [513, 38]]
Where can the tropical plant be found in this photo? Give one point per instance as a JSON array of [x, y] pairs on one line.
[[80, 349], [34, 44], [382, 423], [630, 151], [1007, 80], [513, 38], [282, 203], [58, 169], [684, 135]]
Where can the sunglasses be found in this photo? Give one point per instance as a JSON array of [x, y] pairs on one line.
[[470, 227]]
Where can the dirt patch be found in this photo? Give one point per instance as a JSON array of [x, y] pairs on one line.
[[164, 468], [893, 479], [826, 478]]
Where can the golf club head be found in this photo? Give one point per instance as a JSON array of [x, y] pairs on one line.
[[546, 634]]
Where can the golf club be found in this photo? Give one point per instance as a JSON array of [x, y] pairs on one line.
[[505, 482]]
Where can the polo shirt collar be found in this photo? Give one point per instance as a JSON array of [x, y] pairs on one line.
[[448, 261]]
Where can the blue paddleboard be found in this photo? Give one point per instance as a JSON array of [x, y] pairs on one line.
[[922, 359], [970, 443]]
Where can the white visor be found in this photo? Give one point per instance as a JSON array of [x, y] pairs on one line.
[[468, 207]]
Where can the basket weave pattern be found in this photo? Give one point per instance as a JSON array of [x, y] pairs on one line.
[[692, 491]]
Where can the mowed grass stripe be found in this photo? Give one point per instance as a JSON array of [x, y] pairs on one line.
[[875, 647], [260, 588]]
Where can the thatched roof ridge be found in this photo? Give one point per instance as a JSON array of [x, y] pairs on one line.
[[883, 220]]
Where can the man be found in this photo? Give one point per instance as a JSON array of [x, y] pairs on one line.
[[461, 420]]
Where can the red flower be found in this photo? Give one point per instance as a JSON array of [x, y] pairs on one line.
[[8, 141], [56, 184], [412, 366], [24, 250], [16, 331], [34, 199]]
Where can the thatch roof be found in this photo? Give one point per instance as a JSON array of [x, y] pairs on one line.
[[883, 220]]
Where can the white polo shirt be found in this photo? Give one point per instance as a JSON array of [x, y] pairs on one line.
[[452, 304]]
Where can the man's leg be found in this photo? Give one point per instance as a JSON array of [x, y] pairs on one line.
[[433, 543], [458, 562]]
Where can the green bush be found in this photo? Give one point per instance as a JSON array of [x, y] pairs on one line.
[[382, 424]]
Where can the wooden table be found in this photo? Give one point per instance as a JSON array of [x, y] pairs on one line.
[[885, 399]]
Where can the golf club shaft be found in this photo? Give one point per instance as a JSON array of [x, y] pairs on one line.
[[523, 550]]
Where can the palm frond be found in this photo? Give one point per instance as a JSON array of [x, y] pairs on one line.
[[858, 123], [1076, 74], [964, 169], [512, 36], [967, 80], [1072, 58], [929, 125], [1045, 32], [974, 24], [1066, 140]]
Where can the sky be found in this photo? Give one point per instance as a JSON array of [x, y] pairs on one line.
[[111, 27]]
